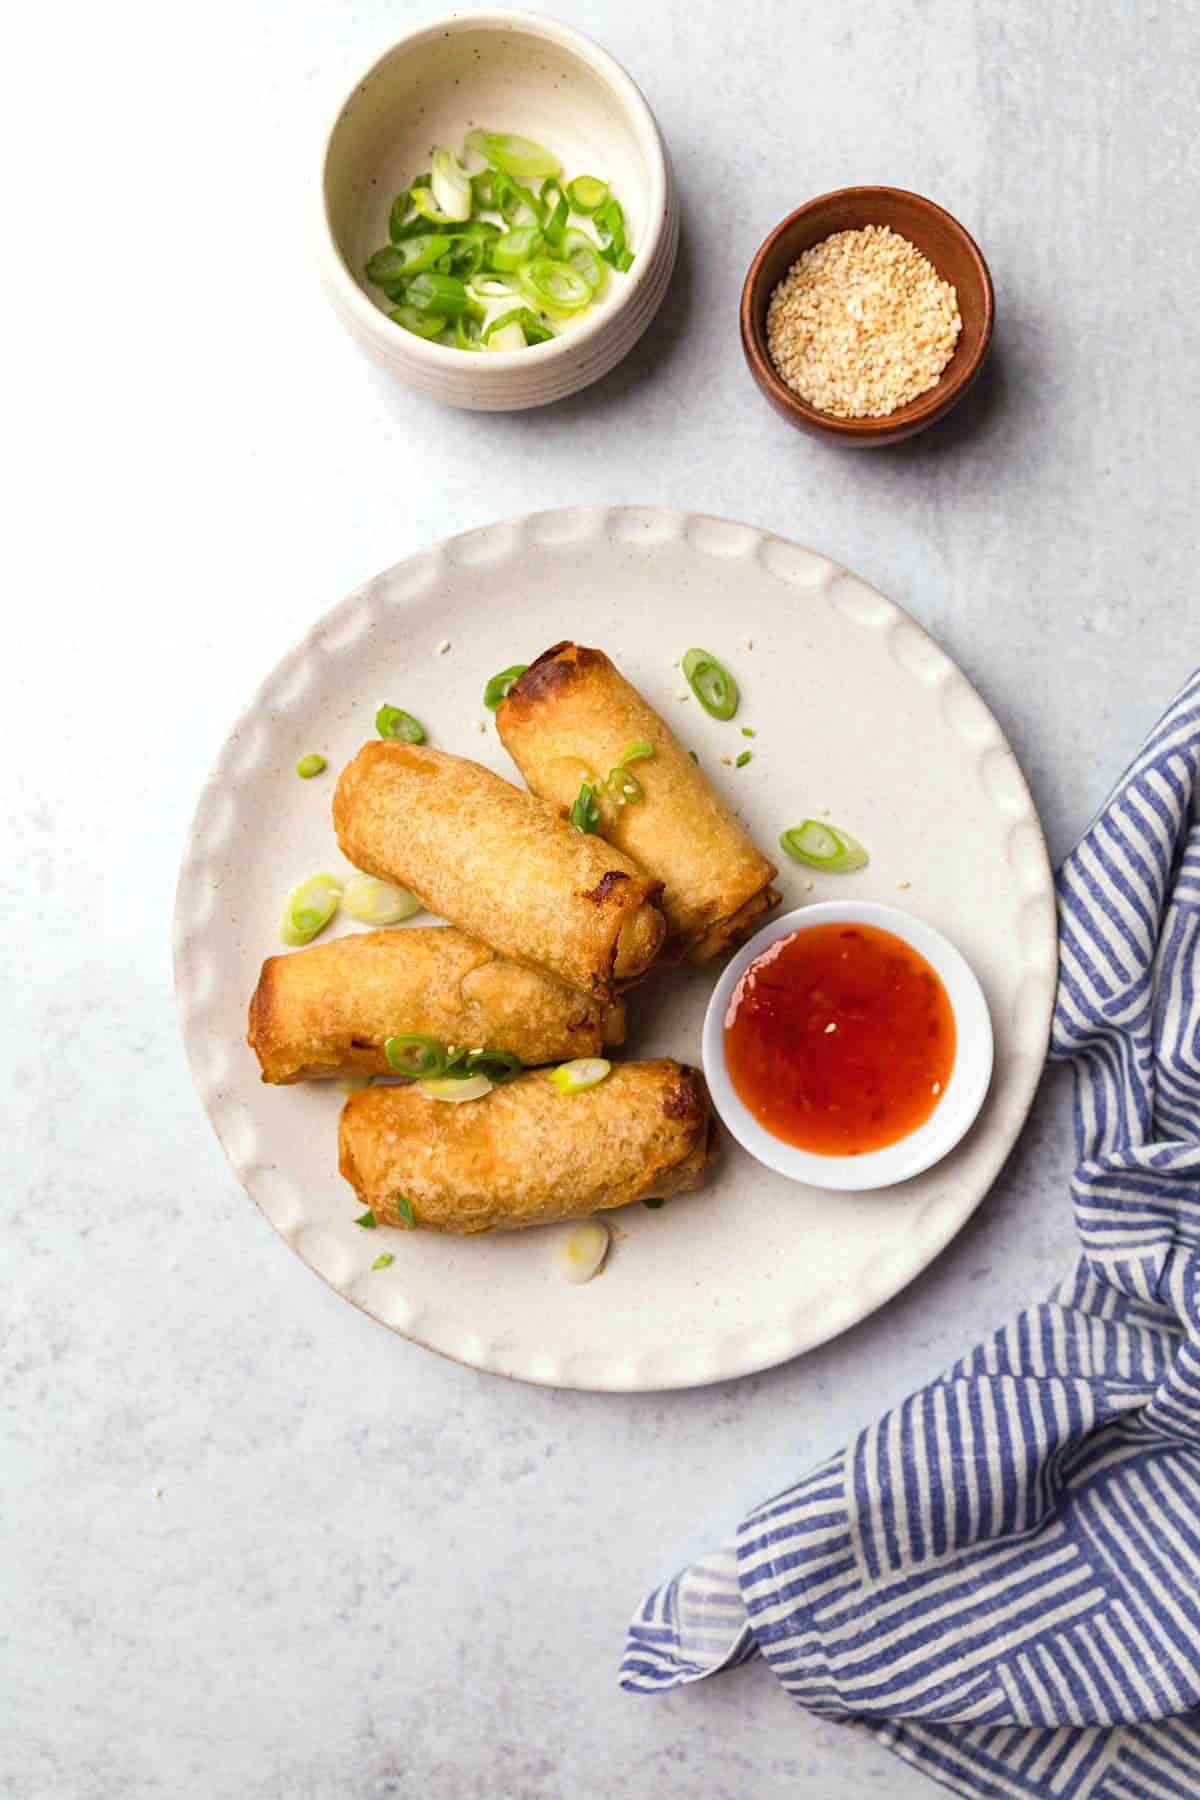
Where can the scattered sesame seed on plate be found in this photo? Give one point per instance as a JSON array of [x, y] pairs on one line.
[[747, 643], [904, 884], [479, 725], [681, 694], [443, 646], [727, 759]]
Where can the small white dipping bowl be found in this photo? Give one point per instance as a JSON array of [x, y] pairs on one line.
[[504, 71], [957, 1106]]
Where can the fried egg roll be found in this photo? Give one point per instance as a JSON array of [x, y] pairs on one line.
[[527, 1154], [328, 1010], [500, 864], [568, 719]]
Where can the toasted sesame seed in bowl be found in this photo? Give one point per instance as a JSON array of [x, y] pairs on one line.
[[866, 315]]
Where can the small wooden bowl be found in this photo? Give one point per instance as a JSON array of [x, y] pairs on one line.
[[952, 251]]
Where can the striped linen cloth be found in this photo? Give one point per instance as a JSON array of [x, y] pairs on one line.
[[1001, 1579]]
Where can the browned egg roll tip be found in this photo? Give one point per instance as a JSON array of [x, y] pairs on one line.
[[329, 1009], [527, 1154]]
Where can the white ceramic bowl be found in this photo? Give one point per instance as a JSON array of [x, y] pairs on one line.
[[506, 71], [957, 1107]]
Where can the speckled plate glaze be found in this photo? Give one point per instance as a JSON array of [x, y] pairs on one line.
[[856, 710]]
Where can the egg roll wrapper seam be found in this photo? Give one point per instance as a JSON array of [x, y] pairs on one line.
[[527, 1154], [571, 715], [328, 1010], [500, 864]]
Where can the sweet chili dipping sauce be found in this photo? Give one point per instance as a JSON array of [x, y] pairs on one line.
[[840, 1039]]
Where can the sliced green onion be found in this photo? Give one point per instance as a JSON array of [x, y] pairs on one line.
[[578, 249], [624, 786], [415, 1056], [739, 762], [483, 191], [555, 285], [555, 211], [505, 334], [514, 154], [468, 327], [498, 1065], [367, 1220], [512, 248], [497, 688], [394, 722], [384, 1260], [501, 333], [374, 902], [821, 846], [456, 1091], [584, 1072], [397, 262], [425, 201], [488, 286], [310, 765], [713, 685], [747, 732], [309, 908], [444, 295], [653, 1205], [451, 185], [635, 752], [423, 325], [401, 206], [404, 1207], [585, 814], [586, 193], [582, 1252], [610, 222]]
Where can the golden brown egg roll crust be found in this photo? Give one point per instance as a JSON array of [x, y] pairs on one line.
[[527, 1154], [329, 1009], [568, 719], [500, 864]]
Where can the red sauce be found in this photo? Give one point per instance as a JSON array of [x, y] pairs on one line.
[[840, 1039]]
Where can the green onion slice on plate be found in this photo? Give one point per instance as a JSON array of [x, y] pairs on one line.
[[374, 902], [394, 722], [821, 846], [712, 684], [585, 814], [584, 1072], [447, 1088], [497, 688], [309, 908], [415, 1056]]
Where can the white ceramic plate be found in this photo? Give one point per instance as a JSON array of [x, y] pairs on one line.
[[856, 710]]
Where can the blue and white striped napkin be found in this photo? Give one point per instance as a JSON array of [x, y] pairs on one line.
[[1001, 1579]]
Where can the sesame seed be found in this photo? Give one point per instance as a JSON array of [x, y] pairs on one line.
[[443, 646], [479, 725], [808, 887], [937, 1087], [904, 884], [681, 694], [830, 1027], [727, 759], [862, 323], [747, 643]]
